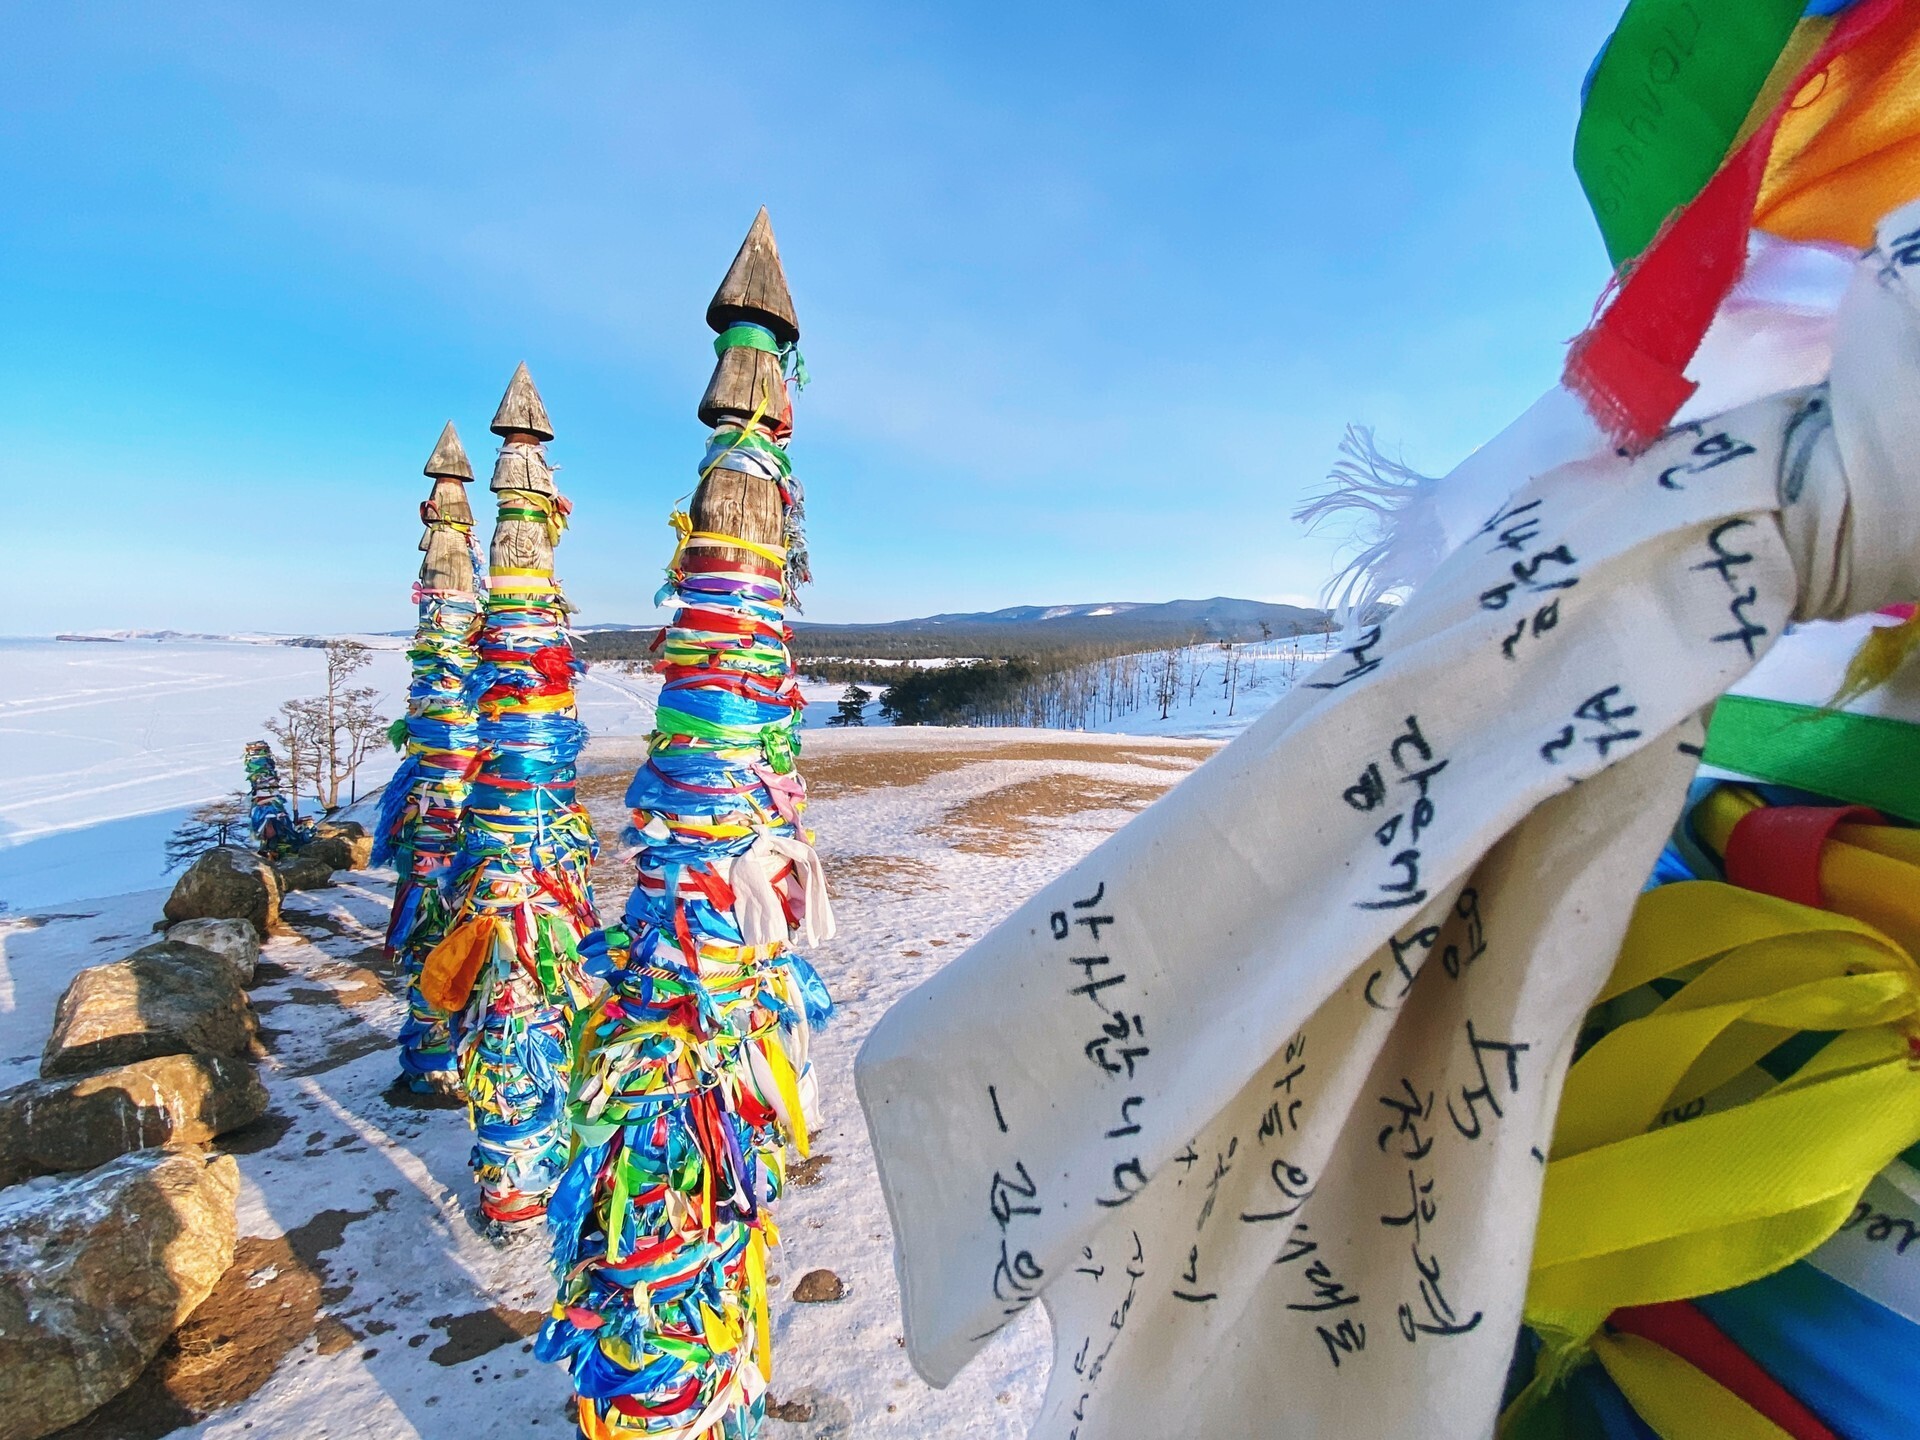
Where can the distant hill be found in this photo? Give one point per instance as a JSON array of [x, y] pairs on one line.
[[1103, 627], [1025, 629]]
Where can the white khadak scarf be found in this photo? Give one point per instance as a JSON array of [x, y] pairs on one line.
[[1257, 1097]]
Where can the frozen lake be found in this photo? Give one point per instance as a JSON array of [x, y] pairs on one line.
[[108, 745]]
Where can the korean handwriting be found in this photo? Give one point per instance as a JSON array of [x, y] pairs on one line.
[[1435, 1315], [1411, 757], [1086, 1364], [1513, 528], [1602, 728], [1360, 662], [1011, 1198], [1728, 559], [1880, 1226], [1467, 910], [1191, 1276], [1487, 1092], [1295, 1186], [1326, 1293], [1716, 449], [1283, 1113], [1120, 1043], [1545, 572]]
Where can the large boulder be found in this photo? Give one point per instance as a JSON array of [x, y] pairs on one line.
[[228, 883], [343, 844], [48, 1126], [96, 1271], [307, 870], [233, 940], [164, 999]]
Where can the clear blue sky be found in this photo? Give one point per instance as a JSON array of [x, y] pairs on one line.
[[1088, 291]]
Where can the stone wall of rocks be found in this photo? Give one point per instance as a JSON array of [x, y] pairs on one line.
[[118, 1220]]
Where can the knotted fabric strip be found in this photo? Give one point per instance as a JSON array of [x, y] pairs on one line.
[[1258, 1098]]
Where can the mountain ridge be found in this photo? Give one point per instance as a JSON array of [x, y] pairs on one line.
[[1104, 626]]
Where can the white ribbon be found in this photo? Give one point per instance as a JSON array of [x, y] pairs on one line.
[[1256, 1098], [757, 895]]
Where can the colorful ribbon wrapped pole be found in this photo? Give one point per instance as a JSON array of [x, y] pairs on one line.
[[691, 1076], [509, 967], [419, 826], [275, 832]]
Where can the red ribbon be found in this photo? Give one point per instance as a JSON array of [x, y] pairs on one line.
[[1630, 365]]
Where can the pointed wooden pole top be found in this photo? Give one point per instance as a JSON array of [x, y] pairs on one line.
[[449, 458], [521, 409], [755, 289]]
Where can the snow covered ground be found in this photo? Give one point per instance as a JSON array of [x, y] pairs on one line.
[[364, 1304]]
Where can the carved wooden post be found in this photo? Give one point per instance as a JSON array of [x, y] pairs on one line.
[[692, 1075], [419, 825], [509, 966]]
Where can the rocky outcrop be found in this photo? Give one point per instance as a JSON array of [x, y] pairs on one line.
[[47, 1126], [228, 883], [343, 844], [232, 940], [307, 870], [96, 1271], [164, 999]]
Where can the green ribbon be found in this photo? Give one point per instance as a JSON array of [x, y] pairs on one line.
[[1667, 96], [1858, 759], [748, 336]]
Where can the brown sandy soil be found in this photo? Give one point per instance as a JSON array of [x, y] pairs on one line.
[[1009, 820], [846, 772]]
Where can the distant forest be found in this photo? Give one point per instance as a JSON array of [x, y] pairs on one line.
[[1072, 672], [870, 652]]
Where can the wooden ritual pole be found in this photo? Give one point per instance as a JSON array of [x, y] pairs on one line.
[[509, 966], [419, 825], [275, 833], [691, 1076]]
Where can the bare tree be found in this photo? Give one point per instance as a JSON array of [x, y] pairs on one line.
[[1166, 681], [1230, 675], [362, 730], [297, 730], [345, 658], [218, 822], [1290, 662], [323, 740]]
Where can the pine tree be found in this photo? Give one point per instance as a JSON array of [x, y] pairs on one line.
[[853, 707], [218, 822]]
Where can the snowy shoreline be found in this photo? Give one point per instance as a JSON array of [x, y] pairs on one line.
[[382, 1311]]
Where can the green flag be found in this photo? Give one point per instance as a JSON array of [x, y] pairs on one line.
[[1663, 103]]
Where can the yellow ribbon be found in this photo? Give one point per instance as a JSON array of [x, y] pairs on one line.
[[757, 1300], [1632, 1214], [1676, 1399], [789, 1087], [775, 553]]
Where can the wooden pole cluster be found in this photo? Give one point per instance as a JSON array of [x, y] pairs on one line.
[[419, 825], [691, 1076], [275, 833], [509, 967]]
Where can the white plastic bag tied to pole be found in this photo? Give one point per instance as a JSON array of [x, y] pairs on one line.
[[1256, 1099]]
